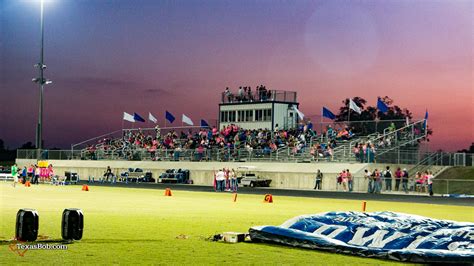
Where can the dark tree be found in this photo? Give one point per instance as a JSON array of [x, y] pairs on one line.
[[28, 146], [373, 119], [470, 150]]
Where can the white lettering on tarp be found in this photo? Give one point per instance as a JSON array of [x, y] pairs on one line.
[[337, 230], [460, 245], [418, 241], [352, 219], [467, 234], [377, 238]]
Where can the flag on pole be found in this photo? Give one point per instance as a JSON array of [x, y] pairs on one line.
[[187, 120], [354, 107], [169, 117], [128, 117], [152, 118], [328, 114], [138, 118], [426, 119], [381, 105], [204, 123], [300, 114]]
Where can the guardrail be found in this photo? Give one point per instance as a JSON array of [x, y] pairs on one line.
[[285, 154]]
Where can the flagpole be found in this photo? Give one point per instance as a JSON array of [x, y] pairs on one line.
[[349, 113], [376, 121], [122, 128], [321, 124]]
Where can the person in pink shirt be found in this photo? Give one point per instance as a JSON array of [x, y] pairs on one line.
[[344, 180], [398, 178], [50, 172], [30, 173]]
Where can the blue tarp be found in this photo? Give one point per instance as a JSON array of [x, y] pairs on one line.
[[388, 235]]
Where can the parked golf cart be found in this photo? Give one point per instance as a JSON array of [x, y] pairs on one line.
[[248, 178]]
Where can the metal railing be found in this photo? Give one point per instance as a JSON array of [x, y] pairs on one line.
[[284, 154], [259, 96]]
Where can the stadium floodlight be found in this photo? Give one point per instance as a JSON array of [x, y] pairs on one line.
[[41, 80]]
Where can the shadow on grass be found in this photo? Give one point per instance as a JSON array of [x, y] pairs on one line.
[[50, 241], [87, 241]]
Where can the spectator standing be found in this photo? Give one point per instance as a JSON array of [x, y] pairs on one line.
[[233, 180], [368, 176], [398, 177], [50, 172], [405, 180], [240, 93], [228, 94], [108, 174], [14, 170], [388, 179], [430, 183], [30, 173], [227, 179], [23, 174], [350, 180], [338, 180], [319, 180], [377, 181], [36, 175], [220, 178], [344, 180]]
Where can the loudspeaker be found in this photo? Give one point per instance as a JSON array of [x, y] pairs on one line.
[[27, 222], [72, 224]]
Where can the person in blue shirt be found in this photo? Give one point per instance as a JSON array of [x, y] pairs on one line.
[[23, 174]]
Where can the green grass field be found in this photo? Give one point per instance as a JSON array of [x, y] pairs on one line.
[[130, 226]]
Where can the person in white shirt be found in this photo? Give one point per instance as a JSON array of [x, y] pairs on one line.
[[368, 176], [220, 179], [233, 180], [430, 183]]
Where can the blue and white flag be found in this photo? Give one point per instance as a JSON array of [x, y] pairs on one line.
[[128, 117], [354, 106], [300, 114], [138, 118], [204, 123], [426, 119], [328, 114], [152, 118], [381, 105], [187, 120], [387, 235], [169, 117]]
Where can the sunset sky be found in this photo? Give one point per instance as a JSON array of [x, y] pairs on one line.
[[107, 57]]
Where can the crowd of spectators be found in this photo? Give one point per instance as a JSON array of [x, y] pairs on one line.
[[229, 141], [33, 174], [245, 94], [325, 150], [225, 179], [421, 182], [383, 180]]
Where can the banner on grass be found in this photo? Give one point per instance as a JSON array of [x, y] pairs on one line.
[[386, 235]]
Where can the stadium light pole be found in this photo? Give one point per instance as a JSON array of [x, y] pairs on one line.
[[41, 81]]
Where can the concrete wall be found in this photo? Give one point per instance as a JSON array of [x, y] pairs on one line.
[[283, 175]]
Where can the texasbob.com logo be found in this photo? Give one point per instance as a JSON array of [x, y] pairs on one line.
[[21, 247]]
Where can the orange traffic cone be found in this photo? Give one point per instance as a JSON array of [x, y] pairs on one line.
[[85, 188], [234, 197], [268, 198], [168, 192]]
